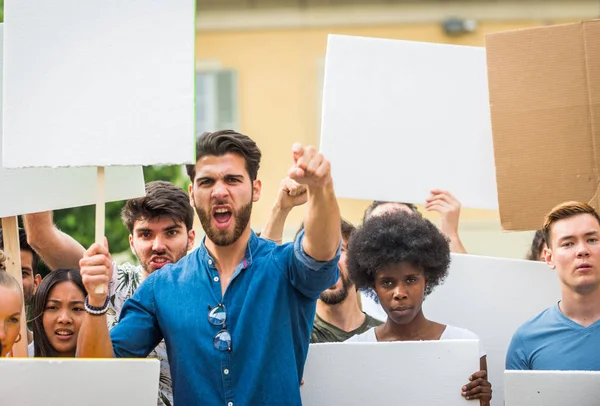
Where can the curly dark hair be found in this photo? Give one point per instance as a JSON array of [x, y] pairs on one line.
[[393, 238]]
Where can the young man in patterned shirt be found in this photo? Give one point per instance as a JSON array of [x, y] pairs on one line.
[[160, 233]]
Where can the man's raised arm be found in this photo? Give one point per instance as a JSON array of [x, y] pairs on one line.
[[322, 224], [57, 249]]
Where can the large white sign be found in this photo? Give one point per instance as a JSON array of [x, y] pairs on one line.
[[492, 297], [32, 190], [428, 373], [98, 82], [76, 382], [401, 118], [551, 388]]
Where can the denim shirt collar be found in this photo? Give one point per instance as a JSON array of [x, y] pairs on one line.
[[204, 255]]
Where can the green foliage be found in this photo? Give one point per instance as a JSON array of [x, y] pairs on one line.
[[78, 222]]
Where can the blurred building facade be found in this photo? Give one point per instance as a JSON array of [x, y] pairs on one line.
[[260, 70]]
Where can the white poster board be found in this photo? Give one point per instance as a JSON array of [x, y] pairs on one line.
[[98, 83], [401, 118], [360, 374], [32, 190], [551, 388], [493, 297], [76, 382]]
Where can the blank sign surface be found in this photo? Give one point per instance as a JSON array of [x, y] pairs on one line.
[[98, 82], [389, 373], [401, 118], [76, 382], [492, 297], [551, 388], [32, 190]]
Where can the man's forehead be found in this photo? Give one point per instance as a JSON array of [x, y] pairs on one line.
[[223, 165], [156, 222], [576, 225]]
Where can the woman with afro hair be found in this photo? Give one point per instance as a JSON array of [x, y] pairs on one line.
[[403, 257]]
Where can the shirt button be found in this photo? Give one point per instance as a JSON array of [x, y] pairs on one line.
[[230, 404], [216, 279], [226, 371], [210, 262]]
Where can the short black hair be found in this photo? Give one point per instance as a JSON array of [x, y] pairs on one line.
[[23, 246], [537, 246], [41, 343], [223, 142], [394, 238], [377, 203], [163, 199]]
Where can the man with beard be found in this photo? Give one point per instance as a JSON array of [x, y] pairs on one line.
[[237, 312], [31, 277], [338, 315], [160, 233]]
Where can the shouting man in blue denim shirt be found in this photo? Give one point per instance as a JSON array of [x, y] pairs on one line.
[[236, 313]]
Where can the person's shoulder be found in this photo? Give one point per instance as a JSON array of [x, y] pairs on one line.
[[453, 332], [372, 321], [128, 268], [535, 324], [366, 337]]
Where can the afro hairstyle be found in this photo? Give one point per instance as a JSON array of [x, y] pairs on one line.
[[394, 238]]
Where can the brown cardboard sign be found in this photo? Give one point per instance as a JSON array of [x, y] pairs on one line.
[[544, 88]]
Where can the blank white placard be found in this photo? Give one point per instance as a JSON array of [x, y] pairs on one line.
[[401, 118], [493, 297], [551, 388], [98, 83], [32, 190], [388, 373], [76, 382]]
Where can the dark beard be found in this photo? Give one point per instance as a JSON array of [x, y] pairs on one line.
[[221, 237], [333, 298]]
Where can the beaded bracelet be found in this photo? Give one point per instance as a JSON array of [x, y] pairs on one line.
[[95, 310]]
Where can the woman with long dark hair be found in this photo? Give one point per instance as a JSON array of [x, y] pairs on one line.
[[58, 310]]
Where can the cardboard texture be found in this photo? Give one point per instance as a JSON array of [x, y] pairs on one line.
[[551, 388], [359, 374], [98, 83], [40, 189], [493, 297], [400, 118], [544, 86], [75, 382]]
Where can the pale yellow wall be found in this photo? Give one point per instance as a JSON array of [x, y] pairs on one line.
[[278, 95]]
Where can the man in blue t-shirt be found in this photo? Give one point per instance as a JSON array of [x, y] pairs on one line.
[[567, 335]]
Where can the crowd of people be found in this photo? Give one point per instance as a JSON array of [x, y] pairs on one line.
[[231, 321]]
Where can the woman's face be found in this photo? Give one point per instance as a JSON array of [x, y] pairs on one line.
[[401, 290], [11, 303], [63, 316]]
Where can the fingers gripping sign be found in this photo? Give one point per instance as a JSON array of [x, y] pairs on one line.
[[310, 168], [478, 388], [96, 270]]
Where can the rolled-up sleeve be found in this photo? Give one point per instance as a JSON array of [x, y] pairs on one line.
[[137, 332], [309, 276]]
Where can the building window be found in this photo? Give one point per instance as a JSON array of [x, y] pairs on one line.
[[216, 100]]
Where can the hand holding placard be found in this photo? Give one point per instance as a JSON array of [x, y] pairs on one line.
[[96, 272]]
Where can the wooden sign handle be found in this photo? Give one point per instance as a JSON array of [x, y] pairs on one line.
[[100, 216], [12, 250]]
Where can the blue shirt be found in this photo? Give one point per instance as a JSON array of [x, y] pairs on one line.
[[551, 341], [270, 304]]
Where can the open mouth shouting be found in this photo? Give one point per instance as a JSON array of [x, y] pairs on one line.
[[222, 216]]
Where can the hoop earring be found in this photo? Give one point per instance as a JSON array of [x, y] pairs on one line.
[[18, 339]]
